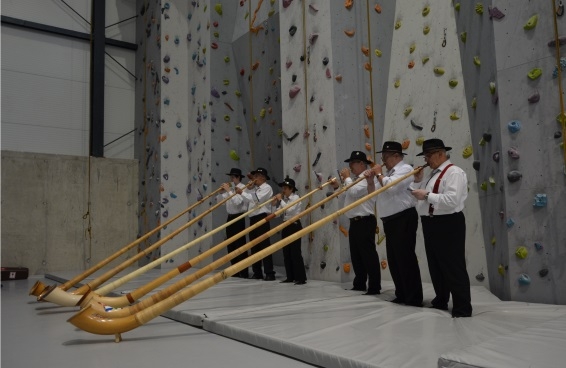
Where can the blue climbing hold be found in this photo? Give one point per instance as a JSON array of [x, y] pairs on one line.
[[514, 126], [524, 279], [540, 200]]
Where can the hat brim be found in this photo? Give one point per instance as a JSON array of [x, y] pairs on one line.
[[257, 172], [434, 149], [287, 185], [241, 176], [357, 159], [391, 151]]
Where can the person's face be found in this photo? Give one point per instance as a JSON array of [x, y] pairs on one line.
[[388, 159], [287, 191], [357, 167], [435, 158], [235, 179], [259, 179]]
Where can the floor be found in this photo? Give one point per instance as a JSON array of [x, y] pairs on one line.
[[248, 323]]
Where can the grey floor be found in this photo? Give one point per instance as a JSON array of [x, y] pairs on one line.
[[37, 335]]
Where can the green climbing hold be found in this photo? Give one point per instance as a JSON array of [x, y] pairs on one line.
[[483, 186], [535, 73], [457, 6], [407, 111], [226, 117], [521, 252], [531, 23], [234, 156], [218, 8], [479, 8], [426, 30], [453, 83], [492, 88], [426, 10], [238, 93], [477, 60], [378, 52], [463, 36], [438, 71], [226, 59], [425, 60], [474, 103]]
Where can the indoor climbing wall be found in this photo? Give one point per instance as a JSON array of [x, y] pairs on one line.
[[509, 57], [426, 99]]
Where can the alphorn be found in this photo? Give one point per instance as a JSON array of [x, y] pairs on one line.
[[39, 287], [55, 296], [91, 321], [122, 301], [63, 299]]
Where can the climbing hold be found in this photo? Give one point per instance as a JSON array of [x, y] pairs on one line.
[[457, 6], [234, 156], [412, 48], [218, 8], [467, 152], [425, 11], [514, 126], [493, 240], [477, 60], [294, 91], [348, 4], [367, 66], [214, 93], [398, 24], [328, 74], [365, 51], [316, 159], [538, 246], [378, 52], [524, 279], [495, 13], [313, 8], [369, 113], [407, 111], [405, 144], [561, 42], [501, 270], [514, 176], [415, 125], [419, 141], [495, 156], [366, 131], [540, 200], [513, 153], [492, 87], [474, 103], [531, 23], [297, 168], [483, 186], [238, 93], [454, 116], [476, 165], [323, 265], [338, 77], [411, 64], [346, 267], [463, 36], [509, 223], [480, 277], [294, 78], [534, 73], [426, 29], [453, 83], [397, 83], [226, 59], [557, 134], [438, 71], [312, 38], [255, 65], [325, 61], [350, 32], [368, 147], [425, 60], [543, 272], [535, 97], [491, 180], [343, 230], [165, 79], [238, 128], [479, 8]]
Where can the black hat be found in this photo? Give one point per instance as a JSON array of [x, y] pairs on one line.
[[290, 183], [393, 147], [262, 171], [235, 172], [433, 145], [358, 156]]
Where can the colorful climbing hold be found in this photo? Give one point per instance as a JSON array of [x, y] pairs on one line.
[[524, 279], [438, 70], [540, 200], [218, 8], [534, 73], [479, 8], [514, 176], [467, 152], [514, 126], [531, 23], [294, 91]]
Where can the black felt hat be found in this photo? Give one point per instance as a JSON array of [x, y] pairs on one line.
[[433, 145], [262, 171], [393, 147], [290, 183], [236, 172], [358, 156]]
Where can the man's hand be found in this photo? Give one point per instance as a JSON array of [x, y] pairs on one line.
[[345, 173], [418, 176], [334, 183], [226, 187], [419, 194], [377, 169]]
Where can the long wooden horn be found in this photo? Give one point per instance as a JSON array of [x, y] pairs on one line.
[[91, 321], [60, 297], [39, 287], [122, 301]]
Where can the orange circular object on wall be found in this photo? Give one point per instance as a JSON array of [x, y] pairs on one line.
[[346, 267]]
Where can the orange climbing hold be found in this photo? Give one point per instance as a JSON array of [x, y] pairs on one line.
[[255, 66], [346, 267], [365, 51], [162, 138], [411, 64], [378, 8], [338, 78], [406, 143], [343, 230], [350, 32], [367, 66], [369, 112], [368, 147], [348, 4], [366, 131]]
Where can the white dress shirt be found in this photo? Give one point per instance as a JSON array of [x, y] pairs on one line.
[[356, 192], [397, 198], [258, 195], [293, 210], [452, 191], [235, 204]]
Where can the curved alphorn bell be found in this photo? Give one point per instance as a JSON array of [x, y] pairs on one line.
[[91, 321], [122, 301], [39, 287], [54, 295]]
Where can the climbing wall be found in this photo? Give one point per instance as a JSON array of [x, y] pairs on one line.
[[514, 102]]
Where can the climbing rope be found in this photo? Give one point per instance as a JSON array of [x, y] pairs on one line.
[[560, 90]]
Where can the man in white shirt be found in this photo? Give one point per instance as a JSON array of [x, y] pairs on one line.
[[396, 208], [363, 224], [235, 207], [258, 194], [441, 201]]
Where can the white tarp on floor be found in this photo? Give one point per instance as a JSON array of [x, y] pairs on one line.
[[323, 324]]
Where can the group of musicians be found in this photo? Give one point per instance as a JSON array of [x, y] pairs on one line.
[[437, 198]]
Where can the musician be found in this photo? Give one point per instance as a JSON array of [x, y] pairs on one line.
[[258, 194], [235, 207], [292, 257], [441, 201], [363, 224], [396, 208]]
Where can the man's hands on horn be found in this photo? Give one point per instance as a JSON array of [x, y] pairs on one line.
[[226, 187]]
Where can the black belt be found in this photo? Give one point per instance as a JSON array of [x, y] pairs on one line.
[[447, 215], [358, 218], [258, 216], [396, 215]]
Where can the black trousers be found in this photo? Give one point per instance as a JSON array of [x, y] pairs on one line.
[[292, 257], [365, 260], [401, 238], [445, 238], [232, 230], [267, 261]]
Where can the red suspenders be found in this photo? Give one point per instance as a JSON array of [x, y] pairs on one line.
[[435, 188]]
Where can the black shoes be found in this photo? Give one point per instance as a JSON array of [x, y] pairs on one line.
[[372, 292], [439, 307], [300, 282], [255, 276], [397, 301], [358, 289], [286, 281], [269, 278]]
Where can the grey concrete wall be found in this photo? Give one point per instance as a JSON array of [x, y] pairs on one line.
[[47, 224]]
